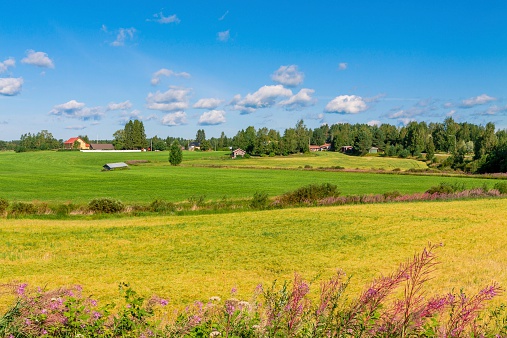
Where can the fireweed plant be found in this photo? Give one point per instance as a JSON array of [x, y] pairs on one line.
[[395, 305]]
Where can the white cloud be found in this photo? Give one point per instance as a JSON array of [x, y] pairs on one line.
[[406, 120], [475, 101], [346, 104], [176, 98], [77, 110], [133, 115], [160, 18], [288, 76], [451, 113], [223, 16], [224, 36], [494, 110], [155, 80], [374, 123], [212, 117], [39, 59], [210, 103], [10, 62], [342, 66], [299, 100], [124, 34], [265, 97], [119, 106], [76, 127], [174, 119], [10, 86]]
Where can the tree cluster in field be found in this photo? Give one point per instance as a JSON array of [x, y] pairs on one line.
[[394, 305]]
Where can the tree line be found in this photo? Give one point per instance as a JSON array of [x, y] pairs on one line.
[[473, 148]]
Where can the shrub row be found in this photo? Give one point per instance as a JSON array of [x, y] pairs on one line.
[[396, 305], [313, 194]]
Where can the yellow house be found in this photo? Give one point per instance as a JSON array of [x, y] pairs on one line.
[[82, 145]]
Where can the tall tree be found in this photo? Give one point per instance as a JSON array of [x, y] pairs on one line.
[[200, 136], [175, 154]]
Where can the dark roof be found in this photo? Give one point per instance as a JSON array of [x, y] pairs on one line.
[[102, 146]]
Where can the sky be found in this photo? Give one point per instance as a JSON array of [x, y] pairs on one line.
[[88, 67]]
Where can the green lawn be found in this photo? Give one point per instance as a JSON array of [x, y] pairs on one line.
[[77, 177]]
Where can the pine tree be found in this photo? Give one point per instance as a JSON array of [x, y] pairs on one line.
[[175, 154]]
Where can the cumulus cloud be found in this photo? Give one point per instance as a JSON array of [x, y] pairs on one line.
[[342, 66], [265, 97], [160, 18], [288, 76], [133, 115], [212, 117], [39, 59], [10, 86], [174, 99], [476, 101], [346, 104], [124, 34], [299, 100], [10, 62], [209, 103], [374, 123], [119, 106], [224, 36], [155, 80], [77, 110], [174, 119]]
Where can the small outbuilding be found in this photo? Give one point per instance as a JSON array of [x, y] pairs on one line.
[[347, 149], [113, 166], [238, 153], [373, 150]]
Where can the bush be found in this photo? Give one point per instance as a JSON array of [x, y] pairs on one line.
[[309, 194], [446, 188], [259, 201], [22, 208], [392, 194], [162, 206], [501, 187], [105, 206], [4, 204]]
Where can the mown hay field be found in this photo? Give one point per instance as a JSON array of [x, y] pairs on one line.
[[75, 177], [186, 258]]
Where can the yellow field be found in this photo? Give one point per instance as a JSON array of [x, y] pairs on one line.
[[193, 257]]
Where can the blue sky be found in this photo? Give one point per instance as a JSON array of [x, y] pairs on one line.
[[87, 67]]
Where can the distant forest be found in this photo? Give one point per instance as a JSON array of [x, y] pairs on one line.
[[472, 148]]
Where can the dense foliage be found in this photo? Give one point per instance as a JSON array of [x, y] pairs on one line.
[[132, 136]]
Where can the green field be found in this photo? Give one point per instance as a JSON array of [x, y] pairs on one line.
[[194, 257], [77, 177]]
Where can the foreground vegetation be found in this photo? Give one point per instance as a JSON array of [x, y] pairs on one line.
[[183, 258], [273, 311]]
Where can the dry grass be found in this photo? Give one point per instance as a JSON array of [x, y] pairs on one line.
[[194, 257]]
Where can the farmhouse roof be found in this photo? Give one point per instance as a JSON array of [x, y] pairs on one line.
[[74, 139], [101, 146], [118, 165]]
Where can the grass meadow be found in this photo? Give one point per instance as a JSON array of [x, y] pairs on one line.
[[185, 258], [61, 177]]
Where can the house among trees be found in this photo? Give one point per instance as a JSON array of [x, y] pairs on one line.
[[238, 153], [347, 149], [101, 146], [194, 146], [373, 150], [76, 143], [324, 147]]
